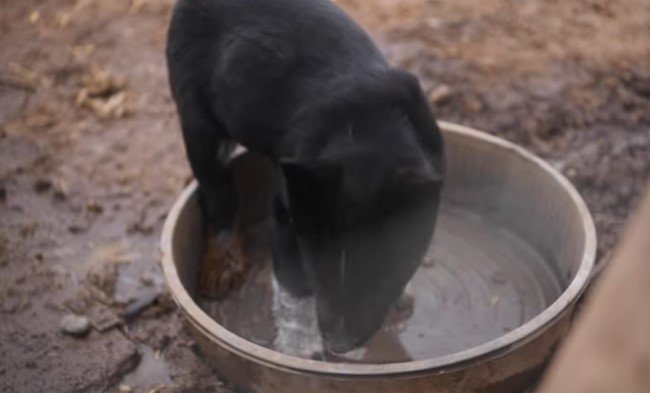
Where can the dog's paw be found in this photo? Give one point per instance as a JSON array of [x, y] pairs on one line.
[[224, 266]]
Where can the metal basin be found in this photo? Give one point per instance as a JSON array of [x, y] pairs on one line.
[[499, 200]]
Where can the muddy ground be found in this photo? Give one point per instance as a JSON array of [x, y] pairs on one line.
[[91, 156]]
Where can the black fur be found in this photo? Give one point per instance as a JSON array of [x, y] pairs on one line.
[[359, 151]]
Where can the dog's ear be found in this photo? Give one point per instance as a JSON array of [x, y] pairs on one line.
[[422, 117], [312, 187]]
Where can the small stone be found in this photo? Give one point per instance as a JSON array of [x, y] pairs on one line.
[[125, 389], [28, 229], [473, 105], [34, 17], [59, 195], [434, 23], [140, 305], [440, 94], [42, 185], [75, 325], [105, 323], [95, 207], [76, 229], [3, 194]]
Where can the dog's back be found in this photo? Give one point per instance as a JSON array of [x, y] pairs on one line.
[[257, 63]]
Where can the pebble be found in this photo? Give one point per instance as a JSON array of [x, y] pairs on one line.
[[440, 94], [138, 306], [42, 185], [75, 325], [95, 207]]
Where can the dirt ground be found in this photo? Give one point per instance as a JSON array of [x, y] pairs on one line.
[[91, 156]]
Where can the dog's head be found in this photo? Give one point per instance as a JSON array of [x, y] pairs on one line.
[[365, 210]]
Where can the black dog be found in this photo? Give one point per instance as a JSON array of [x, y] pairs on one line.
[[359, 151]]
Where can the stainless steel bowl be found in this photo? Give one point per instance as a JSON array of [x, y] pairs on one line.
[[486, 174]]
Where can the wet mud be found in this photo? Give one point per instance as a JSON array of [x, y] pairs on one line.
[[91, 154]]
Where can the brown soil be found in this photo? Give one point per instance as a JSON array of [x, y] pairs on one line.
[[91, 156]]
